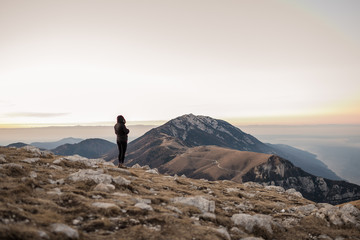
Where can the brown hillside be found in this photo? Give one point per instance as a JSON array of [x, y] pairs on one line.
[[215, 162]]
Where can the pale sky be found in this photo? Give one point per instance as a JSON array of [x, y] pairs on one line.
[[254, 61]]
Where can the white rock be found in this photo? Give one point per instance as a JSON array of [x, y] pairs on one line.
[[249, 222], [224, 233], [104, 205], [121, 181], [36, 152], [43, 234], [30, 160], [293, 192], [153, 171], [57, 161], [252, 238], [65, 229], [144, 206], [200, 202], [97, 176], [275, 188], [104, 187], [136, 166], [56, 167], [174, 209], [121, 194], [208, 216], [33, 174], [55, 191], [253, 185], [350, 209], [2, 159], [306, 209]]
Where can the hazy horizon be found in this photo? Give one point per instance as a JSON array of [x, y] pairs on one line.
[[338, 146]]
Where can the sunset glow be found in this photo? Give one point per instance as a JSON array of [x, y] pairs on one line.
[[250, 62]]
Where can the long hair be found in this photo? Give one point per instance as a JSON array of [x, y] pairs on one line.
[[121, 119]]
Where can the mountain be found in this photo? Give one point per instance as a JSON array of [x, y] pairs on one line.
[[52, 145], [52, 197], [305, 160], [216, 163], [168, 146], [17, 145], [90, 148], [163, 143]]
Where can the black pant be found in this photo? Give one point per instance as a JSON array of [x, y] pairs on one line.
[[122, 149]]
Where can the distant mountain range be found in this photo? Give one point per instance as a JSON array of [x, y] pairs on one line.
[[90, 148], [52, 145], [203, 147]]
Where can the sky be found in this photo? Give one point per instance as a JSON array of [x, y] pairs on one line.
[[83, 62]]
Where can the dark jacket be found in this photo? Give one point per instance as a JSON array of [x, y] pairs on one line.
[[121, 132]]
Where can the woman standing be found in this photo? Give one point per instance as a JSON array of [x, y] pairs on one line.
[[122, 138]]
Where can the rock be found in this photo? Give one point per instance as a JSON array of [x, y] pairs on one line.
[[247, 221], [55, 191], [43, 234], [33, 174], [153, 171], [174, 209], [104, 187], [14, 166], [224, 233], [324, 237], [350, 209], [253, 185], [65, 229], [121, 181], [275, 188], [104, 205], [57, 161], [84, 160], [56, 167], [144, 206], [293, 192], [121, 194], [30, 160], [97, 176], [252, 238], [2, 159], [200, 202], [306, 209], [136, 166], [208, 216], [34, 150]]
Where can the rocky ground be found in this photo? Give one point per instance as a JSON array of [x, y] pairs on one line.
[[43, 196]]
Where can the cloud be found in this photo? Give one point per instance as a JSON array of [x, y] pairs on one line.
[[35, 115]]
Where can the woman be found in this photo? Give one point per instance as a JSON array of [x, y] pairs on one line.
[[122, 137]]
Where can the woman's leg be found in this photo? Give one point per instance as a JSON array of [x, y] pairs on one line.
[[123, 151]]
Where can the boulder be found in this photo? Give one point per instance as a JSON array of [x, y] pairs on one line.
[[144, 206], [200, 202], [247, 221], [121, 181], [65, 229], [97, 176], [104, 205], [103, 187]]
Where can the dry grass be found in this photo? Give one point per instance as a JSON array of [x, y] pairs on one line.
[[27, 207]]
